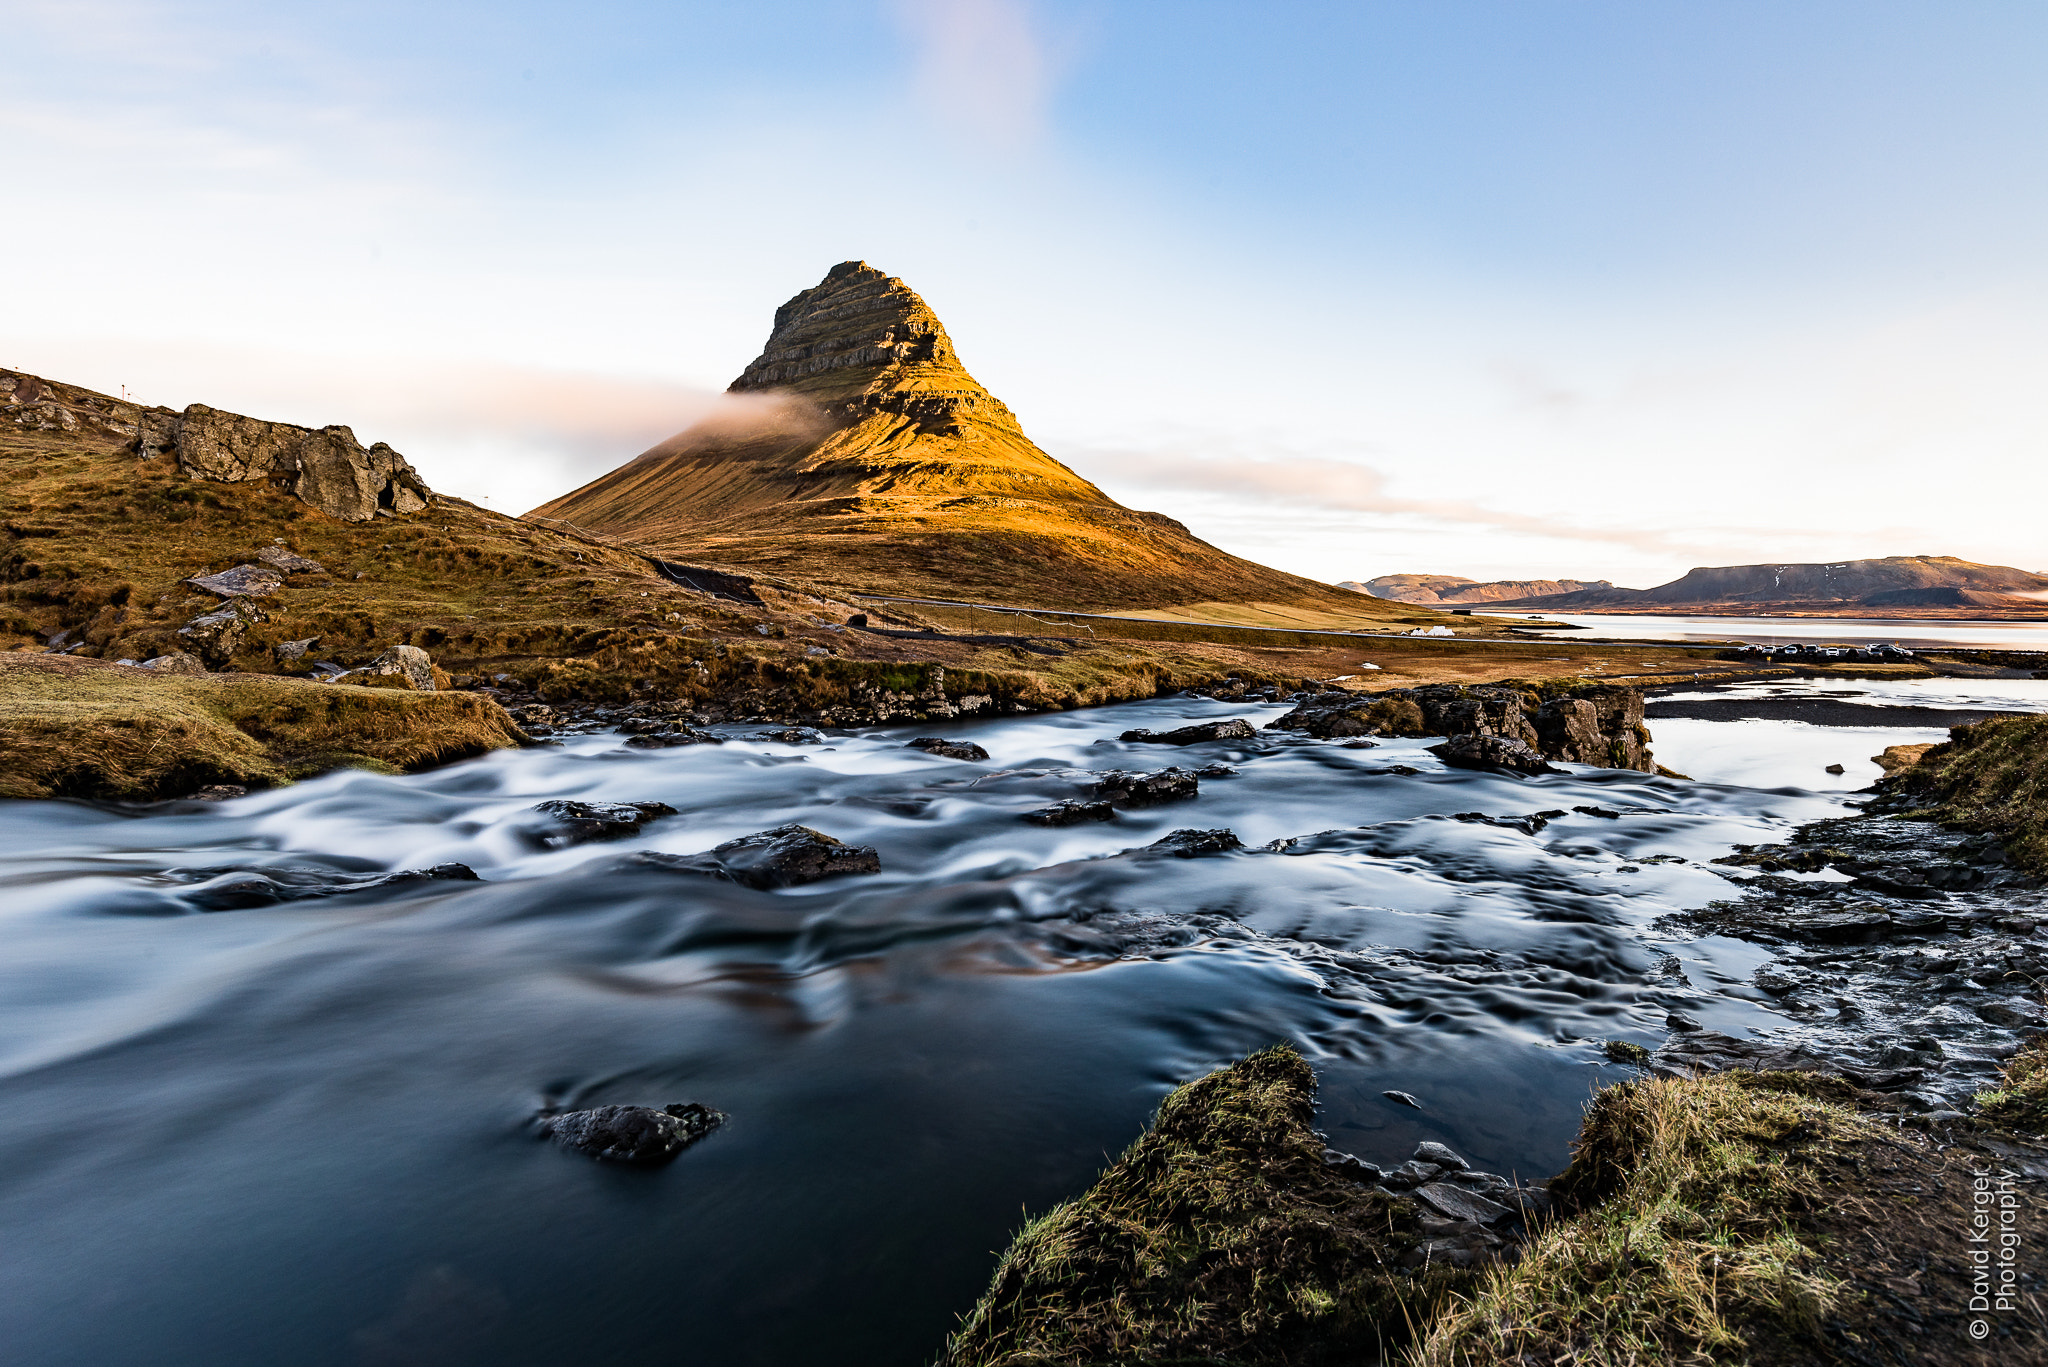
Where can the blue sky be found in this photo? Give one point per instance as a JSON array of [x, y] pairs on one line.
[[1501, 289]]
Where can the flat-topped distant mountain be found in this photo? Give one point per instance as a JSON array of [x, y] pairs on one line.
[[1897, 585], [1430, 590], [858, 451]]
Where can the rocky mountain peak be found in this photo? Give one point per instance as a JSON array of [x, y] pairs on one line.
[[856, 332]]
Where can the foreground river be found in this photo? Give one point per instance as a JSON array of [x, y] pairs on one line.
[[302, 1133]]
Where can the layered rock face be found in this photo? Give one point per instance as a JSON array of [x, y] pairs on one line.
[[1430, 590], [327, 468], [856, 449], [1600, 724]]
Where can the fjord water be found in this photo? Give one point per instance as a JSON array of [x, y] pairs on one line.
[[303, 1132]]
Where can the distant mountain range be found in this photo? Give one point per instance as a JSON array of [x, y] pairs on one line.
[[1894, 586], [1434, 589]]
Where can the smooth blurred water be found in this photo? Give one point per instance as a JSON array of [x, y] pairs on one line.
[[302, 1133]]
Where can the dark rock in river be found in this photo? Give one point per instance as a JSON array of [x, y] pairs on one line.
[[1121, 788], [633, 1134], [792, 735], [670, 737], [580, 823], [1235, 729], [1495, 754], [784, 857], [1071, 813], [948, 749], [1189, 843]]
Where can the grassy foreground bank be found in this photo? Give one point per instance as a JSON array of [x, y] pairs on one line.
[[1991, 776], [1739, 1217], [83, 728]]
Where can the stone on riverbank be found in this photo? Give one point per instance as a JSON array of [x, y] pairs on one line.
[[1988, 776]]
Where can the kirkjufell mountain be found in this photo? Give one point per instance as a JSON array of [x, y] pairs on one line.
[[865, 455]]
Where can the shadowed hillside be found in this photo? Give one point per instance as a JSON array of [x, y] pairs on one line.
[[857, 451]]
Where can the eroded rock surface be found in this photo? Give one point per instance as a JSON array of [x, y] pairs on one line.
[[1122, 788]]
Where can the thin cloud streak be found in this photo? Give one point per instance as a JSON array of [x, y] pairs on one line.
[[981, 67], [1309, 481]]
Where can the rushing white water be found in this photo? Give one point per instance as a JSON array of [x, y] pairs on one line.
[[301, 1132]]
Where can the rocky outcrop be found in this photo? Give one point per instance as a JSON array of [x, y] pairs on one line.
[[326, 467], [1598, 724]]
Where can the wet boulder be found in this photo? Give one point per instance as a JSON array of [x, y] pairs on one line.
[[792, 735], [1122, 788], [1071, 813], [637, 1135], [1492, 754], [785, 857], [1337, 714], [1188, 844], [669, 737], [1198, 734], [948, 749], [582, 823]]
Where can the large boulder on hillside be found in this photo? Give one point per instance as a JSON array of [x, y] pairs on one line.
[[215, 636], [399, 667], [327, 468], [243, 581]]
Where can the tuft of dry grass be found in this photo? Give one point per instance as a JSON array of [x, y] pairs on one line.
[[1685, 1246], [1992, 776], [81, 728], [1219, 1236], [2020, 1102]]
